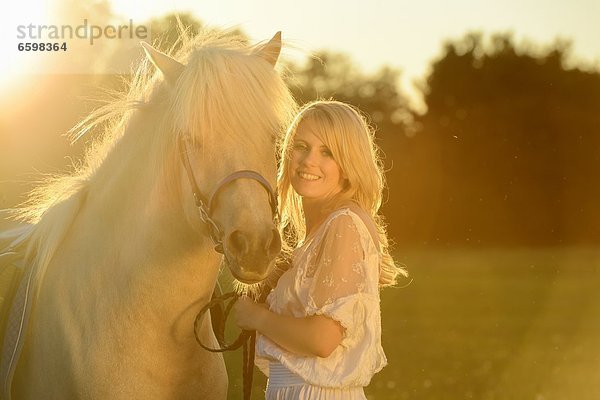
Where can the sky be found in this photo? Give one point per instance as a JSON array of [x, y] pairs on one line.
[[404, 35]]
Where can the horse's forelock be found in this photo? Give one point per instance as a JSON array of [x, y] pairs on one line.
[[226, 91]]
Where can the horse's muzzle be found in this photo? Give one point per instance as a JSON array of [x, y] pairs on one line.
[[250, 255]]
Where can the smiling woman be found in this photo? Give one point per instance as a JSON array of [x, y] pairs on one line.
[[319, 333]]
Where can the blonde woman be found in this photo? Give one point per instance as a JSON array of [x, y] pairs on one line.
[[319, 335]]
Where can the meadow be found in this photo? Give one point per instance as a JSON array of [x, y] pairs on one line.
[[491, 324]]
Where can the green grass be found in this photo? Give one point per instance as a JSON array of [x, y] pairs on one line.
[[487, 324]]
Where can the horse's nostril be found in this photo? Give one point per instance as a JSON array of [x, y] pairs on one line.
[[238, 242], [274, 245], [264, 247]]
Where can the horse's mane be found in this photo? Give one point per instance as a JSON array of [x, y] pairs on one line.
[[220, 91]]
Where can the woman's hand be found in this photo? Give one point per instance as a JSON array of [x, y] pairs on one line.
[[248, 314]]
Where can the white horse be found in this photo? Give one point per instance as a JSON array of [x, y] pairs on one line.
[[124, 258]]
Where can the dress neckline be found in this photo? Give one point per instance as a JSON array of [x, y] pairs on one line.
[[324, 223], [343, 210]]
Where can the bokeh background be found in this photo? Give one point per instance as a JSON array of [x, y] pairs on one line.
[[488, 114]]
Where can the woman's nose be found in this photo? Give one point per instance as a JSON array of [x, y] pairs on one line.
[[310, 158]]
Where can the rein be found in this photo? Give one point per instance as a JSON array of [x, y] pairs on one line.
[[205, 206]]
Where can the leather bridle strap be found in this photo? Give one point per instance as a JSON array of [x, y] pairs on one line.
[[199, 199], [246, 174], [205, 206]]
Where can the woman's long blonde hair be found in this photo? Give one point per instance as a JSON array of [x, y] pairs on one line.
[[345, 131]]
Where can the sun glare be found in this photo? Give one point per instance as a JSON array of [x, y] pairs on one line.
[[21, 13]]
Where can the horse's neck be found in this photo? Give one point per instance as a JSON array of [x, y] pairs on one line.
[[128, 213]]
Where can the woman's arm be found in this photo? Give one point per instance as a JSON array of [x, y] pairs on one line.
[[315, 335]]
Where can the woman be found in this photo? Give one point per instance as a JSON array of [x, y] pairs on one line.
[[319, 335]]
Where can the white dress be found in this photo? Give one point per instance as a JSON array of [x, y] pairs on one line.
[[334, 273]]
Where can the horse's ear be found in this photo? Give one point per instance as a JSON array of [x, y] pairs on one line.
[[271, 50], [170, 68]]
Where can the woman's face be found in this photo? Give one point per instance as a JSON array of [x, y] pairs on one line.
[[313, 172]]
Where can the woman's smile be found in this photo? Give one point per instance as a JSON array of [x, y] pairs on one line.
[[308, 177]]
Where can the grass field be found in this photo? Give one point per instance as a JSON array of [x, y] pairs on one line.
[[513, 323]]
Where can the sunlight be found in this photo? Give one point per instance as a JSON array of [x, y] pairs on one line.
[[17, 62]]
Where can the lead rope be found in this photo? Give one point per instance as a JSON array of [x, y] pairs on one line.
[[246, 339], [248, 364]]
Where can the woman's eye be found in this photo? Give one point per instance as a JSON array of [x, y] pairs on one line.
[[300, 146], [327, 153]]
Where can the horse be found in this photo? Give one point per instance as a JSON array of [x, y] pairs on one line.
[[127, 247]]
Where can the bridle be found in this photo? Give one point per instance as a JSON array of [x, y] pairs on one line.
[[206, 205]]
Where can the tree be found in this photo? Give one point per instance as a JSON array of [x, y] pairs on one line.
[[514, 133]]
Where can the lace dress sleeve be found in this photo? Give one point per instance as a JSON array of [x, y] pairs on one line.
[[344, 283]]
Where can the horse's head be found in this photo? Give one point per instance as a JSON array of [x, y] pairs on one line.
[[229, 107]]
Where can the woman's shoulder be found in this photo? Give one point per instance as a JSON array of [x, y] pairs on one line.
[[357, 216]]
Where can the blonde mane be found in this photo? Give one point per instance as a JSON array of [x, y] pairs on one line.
[[220, 92]]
